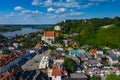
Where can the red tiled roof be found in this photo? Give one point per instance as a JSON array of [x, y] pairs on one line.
[[93, 51], [5, 75], [51, 33], [2, 55], [56, 71], [5, 59], [61, 58], [38, 46], [8, 74]]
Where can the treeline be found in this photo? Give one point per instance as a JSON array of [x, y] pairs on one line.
[[6, 28], [71, 26], [89, 31]]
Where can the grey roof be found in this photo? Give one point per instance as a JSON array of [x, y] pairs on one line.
[[99, 49], [94, 61], [113, 56], [83, 56], [78, 75], [100, 55]]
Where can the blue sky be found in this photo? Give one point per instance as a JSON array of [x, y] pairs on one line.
[[54, 11]]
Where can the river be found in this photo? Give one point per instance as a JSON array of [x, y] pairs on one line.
[[22, 31]]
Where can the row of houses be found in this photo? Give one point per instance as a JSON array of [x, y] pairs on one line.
[[12, 74], [8, 60]]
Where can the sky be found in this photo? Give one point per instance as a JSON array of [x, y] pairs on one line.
[[54, 11]]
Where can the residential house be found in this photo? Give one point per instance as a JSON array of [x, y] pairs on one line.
[[57, 72], [78, 76], [116, 52], [38, 46], [99, 56], [11, 48], [16, 44], [59, 61], [84, 57], [74, 52], [67, 41], [8, 60], [99, 51], [94, 63], [11, 74], [49, 36], [112, 58], [93, 51]]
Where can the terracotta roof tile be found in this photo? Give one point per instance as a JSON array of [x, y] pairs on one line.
[[93, 51], [56, 71], [2, 55], [38, 46], [51, 33], [5, 59], [4, 75]]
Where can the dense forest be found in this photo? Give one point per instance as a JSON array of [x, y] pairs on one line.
[[94, 32]]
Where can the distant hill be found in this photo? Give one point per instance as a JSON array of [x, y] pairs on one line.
[[96, 31]]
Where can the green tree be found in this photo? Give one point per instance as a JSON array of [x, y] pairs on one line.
[[111, 76], [118, 77], [37, 40], [119, 58], [119, 66], [94, 78], [70, 64], [27, 43], [59, 39], [5, 51]]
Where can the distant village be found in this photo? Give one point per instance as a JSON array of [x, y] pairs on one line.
[[50, 60]]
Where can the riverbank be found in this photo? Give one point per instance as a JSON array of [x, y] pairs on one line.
[[20, 32], [10, 28]]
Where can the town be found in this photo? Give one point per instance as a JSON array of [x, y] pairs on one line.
[[45, 56]]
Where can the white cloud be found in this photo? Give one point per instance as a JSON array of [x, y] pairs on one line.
[[87, 5], [48, 2], [26, 13], [17, 8], [60, 10], [30, 12], [36, 2], [59, 3], [50, 9], [67, 5]]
